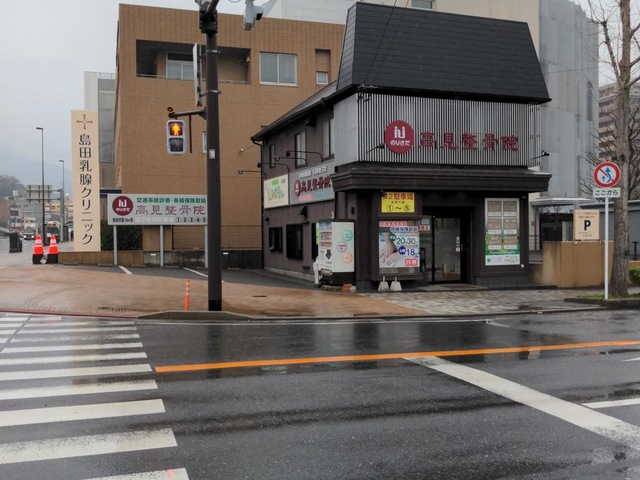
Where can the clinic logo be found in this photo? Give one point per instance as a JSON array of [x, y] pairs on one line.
[[399, 137], [122, 205]]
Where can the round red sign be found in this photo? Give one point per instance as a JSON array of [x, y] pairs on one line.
[[297, 188], [399, 136], [122, 205], [606, 174]]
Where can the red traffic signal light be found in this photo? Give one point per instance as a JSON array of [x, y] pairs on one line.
[[176, 142]]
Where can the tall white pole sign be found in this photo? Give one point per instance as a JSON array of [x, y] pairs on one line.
[[606, 175], [85, 169]]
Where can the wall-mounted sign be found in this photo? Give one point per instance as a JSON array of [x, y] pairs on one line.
[[398, 202], [502, 226], [311, 184], [399, 136], [276, 192], [586, 224], [151, 209], [85, 182]]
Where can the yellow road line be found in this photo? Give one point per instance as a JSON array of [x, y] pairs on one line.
[[388, 356]]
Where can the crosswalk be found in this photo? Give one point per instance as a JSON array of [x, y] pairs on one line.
[[70, 385]]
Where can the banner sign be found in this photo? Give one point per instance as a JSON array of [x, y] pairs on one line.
[[151, 209], [398, 202], [85, 180], [312, 184]]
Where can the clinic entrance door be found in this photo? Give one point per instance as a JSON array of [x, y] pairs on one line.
[[444, 245]]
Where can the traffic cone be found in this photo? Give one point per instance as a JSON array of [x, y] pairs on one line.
[[38, 251], [52, 255]]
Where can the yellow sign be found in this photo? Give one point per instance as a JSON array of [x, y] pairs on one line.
[[398, 202], [586, 224]]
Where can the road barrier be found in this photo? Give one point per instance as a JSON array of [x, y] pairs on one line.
[[52, 255], [38, 251]]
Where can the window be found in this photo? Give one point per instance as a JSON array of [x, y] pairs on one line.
[[278, 69], [179, 66], [272, 156], [322, 78], [275, 239], [328, 139], [301, 149], [294, 241], [424, 4]]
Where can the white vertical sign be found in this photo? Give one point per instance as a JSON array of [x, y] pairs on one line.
[[85, 180]]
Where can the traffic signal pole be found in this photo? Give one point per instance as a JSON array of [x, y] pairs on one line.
[[209, 26]]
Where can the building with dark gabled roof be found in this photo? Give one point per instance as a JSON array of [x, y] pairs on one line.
[[415, 164]]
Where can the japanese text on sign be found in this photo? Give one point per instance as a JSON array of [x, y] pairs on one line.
[[85, 180], [138, 209]]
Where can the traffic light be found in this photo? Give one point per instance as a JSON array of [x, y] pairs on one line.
[[176, 142], [252, 14]]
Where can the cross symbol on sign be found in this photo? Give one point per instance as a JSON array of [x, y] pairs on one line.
[[84, 121]]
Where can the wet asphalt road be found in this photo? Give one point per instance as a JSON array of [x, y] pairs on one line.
[[431, 399]]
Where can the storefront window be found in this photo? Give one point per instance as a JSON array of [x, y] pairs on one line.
[[275, 239], [294, 241]]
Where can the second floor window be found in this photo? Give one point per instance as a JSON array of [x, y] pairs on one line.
[[278, 69], [424, 4], [301, 149], [179, 66], [328, 139]]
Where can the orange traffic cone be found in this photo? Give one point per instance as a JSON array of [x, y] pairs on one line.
[[52, 256], [38, 251]]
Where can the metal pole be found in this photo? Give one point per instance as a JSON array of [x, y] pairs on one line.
[[62, 215], [606, 248], [115, 245], [209, 26], [162, 245], [44, 237]]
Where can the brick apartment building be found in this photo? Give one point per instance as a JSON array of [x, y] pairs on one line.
[[263, 73]]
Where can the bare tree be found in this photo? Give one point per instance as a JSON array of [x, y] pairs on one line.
[[620, 40], [605, 140]]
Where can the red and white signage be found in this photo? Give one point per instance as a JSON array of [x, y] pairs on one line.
[[606, 174], [399, 137]]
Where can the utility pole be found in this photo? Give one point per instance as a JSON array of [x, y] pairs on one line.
[[209, 26]]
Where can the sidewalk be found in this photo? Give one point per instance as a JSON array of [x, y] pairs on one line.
[[60, 289]]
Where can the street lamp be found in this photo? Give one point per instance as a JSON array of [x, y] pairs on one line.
[[44, 237], [62, 215]]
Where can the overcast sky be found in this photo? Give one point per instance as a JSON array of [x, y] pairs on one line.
[[45, 48]]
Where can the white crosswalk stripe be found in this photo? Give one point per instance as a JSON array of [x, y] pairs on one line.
[[75, 338], [89, 389], [62, 348], [82, 396], [174, 474], [80, 330], [79, 412], [74, 372], [84, 446]]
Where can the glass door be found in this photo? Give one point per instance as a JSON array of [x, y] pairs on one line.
[[440, 249]]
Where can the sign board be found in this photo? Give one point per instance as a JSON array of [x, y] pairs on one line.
[[586, 224], [399, 247], [85, 180], [606, 174], [606, 193], [311, 184], [275, 192], [502, 226], [398, 202], [152, 209]]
